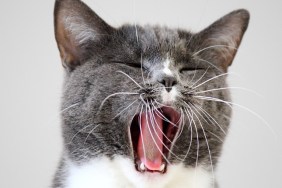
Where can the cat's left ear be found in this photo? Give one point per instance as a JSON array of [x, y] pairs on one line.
[[77, 29], [219, 42]]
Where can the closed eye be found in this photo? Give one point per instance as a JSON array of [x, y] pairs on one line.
[[190, 69], [134, 65]]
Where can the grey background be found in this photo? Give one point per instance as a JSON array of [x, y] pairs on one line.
[[31, 79]]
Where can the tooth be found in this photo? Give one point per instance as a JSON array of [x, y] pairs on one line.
[[162, 167], [142, 167]]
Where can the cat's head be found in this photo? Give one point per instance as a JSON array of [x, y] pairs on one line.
[[155, 95]]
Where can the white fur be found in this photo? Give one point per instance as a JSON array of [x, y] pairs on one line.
[[120, 173], [169, 97], [166, 69]]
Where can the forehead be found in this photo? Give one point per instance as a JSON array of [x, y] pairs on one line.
[[157, 43]]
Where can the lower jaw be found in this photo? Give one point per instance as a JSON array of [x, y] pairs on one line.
[[140, 167]]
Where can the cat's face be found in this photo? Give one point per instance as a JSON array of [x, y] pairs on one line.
[[153, 95]]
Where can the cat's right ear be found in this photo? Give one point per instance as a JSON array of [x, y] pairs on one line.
[[77, 28], [219, 42]]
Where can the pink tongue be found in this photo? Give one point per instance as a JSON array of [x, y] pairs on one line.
[[150, 141]]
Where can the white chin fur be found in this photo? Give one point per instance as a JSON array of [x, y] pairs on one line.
[[120, 173], [169, 97]]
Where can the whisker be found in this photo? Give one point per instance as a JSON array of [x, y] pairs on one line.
[[142, 72], [225, 88], [79, 131], [141, 133], [191, 104], [210, 63], [215, 135], [210, 118], [200, 78], [125, 109], [114, 94], [142, 99], [153, 137], [149, 74], [130, 78], [224, 74], [154, 122], [159, 127], [207, 115], [213, 99], [243, 107], [136, 32], [207, 142], [91, 132], [197, 135], [53, 118], [180, 124], [135, 25], [69, 107], [214, 46], [192, 79], [191, 136], [164, 118]]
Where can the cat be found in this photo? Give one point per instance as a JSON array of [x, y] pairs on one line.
[[143, 106]]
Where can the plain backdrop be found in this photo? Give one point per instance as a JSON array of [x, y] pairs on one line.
[[31, 79]]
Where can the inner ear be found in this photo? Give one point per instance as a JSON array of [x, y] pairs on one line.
[[220, 41], [77, 28]]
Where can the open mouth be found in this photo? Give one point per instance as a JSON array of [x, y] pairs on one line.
[[152, 135]]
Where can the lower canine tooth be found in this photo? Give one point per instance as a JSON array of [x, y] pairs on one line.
[[142, 166], [162, 167]]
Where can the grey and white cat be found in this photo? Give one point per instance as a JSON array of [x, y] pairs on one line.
[[143, 106]]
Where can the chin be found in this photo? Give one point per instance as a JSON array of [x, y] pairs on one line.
[[120, 172]]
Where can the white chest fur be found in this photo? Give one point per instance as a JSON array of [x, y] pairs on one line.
[[120, 173]]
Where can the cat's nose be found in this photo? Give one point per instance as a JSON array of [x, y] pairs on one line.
[[168, 82]]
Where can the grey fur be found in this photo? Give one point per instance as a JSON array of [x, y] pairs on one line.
[[90, 130]]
